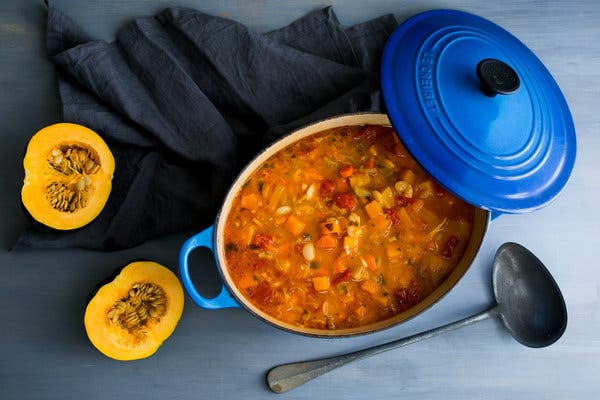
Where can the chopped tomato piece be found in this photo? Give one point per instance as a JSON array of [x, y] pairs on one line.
[[368, 132], [408, 297], [327, 188], [263, 294], [340, 229], [346, 171], [264, 241], [344, 276], [448, 249], [345, 200], [392, 215], [259, 265]]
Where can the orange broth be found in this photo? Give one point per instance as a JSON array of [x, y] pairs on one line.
[[342, 229]]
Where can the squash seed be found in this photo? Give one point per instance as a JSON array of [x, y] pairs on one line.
[[76, 164], [143, 305]]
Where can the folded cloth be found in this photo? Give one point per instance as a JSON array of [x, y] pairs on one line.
[[185, 100]]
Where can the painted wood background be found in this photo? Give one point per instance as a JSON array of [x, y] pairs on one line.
[[44, 353]]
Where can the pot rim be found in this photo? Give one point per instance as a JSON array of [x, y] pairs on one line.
[[481, 220]]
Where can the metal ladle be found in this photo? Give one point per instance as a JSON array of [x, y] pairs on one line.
[[528, 301]]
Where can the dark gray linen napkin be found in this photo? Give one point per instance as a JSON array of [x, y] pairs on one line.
[[185, 100]]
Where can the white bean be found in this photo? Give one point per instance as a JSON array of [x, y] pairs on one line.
[[283, 210], [308, 251], [310, 191]]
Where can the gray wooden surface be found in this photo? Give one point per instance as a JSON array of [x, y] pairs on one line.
[[44, 353]]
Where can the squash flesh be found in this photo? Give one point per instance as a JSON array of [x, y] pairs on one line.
[[115, 340], [41, 174]]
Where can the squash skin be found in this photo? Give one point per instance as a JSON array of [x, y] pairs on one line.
[[113, 340], [38, 174]]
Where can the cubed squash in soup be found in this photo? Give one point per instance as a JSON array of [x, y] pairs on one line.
[[343, 229]]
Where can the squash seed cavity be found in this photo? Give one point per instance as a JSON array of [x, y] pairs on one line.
[[144, 305], [75, 164]]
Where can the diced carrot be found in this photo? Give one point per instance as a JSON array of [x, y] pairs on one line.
[[373, 209], [327, 242], [245, 282], [346, 171], [294, 225], [320, 283], [370, 261], [369, 286], [250, 201]]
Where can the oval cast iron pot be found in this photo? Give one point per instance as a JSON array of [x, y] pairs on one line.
[[229, 296]]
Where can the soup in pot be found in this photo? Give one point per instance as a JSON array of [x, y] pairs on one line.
[[342, 229]]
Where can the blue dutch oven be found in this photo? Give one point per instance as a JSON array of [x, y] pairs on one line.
[[475, 107]]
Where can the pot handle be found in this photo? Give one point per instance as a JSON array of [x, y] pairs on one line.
[[203, 239]]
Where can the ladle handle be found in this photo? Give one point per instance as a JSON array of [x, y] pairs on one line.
[[287, 376]]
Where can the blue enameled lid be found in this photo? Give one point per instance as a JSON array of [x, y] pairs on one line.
[[478, 110]]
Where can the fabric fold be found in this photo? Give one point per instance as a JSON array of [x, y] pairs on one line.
[[184, 99]]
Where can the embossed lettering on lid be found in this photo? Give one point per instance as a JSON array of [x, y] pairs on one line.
[[478, 110]]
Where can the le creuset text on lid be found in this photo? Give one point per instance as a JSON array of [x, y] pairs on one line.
[[478, 110]]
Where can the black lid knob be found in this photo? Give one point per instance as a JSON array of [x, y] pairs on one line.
[[497, 77]]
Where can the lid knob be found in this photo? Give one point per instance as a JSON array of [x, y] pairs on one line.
[[497, 77]]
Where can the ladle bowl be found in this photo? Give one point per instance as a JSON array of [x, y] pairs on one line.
[[528, 301]]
